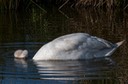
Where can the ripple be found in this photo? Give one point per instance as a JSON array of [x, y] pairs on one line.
[[73, 70]]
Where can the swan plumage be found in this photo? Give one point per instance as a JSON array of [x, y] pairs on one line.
[[21, 54], [76, 46]]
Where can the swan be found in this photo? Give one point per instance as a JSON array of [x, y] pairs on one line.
[[75, 46], [21, 54]]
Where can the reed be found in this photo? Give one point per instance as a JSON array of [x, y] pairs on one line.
[[13, 4], [18, 4], [9, 4], [96, 3]]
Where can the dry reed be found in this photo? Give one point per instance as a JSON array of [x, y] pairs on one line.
[[15, 4], [96, 3]]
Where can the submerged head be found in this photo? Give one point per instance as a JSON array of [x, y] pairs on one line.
[[21, 54]]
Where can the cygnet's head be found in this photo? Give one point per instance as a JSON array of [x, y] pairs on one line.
[[21, 54]]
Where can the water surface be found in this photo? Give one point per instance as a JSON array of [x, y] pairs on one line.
[[22, 71]]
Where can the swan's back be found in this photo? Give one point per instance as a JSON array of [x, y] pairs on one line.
[[74, 46]]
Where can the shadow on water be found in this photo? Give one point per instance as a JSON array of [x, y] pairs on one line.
[[32, 29]]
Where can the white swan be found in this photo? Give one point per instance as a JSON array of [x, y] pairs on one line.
[[75, 46]]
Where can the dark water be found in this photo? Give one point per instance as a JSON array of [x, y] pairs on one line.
[[33, 28]]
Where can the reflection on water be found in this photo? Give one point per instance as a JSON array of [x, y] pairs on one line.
[[32, 29], [74, 70]]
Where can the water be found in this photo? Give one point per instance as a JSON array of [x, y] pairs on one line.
[[21, 71], [32, 29]]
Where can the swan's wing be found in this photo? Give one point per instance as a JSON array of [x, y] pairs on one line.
[[81, 41], [70, 42], [98, 43]]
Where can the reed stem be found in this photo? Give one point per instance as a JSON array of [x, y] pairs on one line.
[[39, 6]]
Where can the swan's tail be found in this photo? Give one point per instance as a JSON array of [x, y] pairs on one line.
[[120, 43], [112, 50]]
